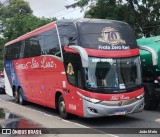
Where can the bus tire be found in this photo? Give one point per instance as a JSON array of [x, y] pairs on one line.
[[21, 100], [62, 108], [150, 102], [16, 98]]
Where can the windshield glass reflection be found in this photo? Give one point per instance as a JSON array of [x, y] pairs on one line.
[[113, 73]]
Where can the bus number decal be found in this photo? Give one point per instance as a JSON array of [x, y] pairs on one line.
[[72, 106]]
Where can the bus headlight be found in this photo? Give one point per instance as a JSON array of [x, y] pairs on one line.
[[93, 100], [140, 96]]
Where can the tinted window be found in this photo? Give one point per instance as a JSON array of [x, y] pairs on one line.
[[49, 43], [45, 43], [73, 68], [32, 47], [12, 52], [74, 73], [68, 34]]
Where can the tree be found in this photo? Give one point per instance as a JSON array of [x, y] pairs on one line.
[[17, 19], [142, 15], [21, 24], [2, 42], [14, 8]]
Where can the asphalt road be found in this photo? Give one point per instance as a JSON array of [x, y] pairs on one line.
[[49, 118]]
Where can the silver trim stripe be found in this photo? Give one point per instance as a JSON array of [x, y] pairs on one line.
[[118, 102]]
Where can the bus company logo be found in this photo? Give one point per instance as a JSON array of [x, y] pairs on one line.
[[70, 70], [120, 103], [119, 97], [6, 131], [37, 63], [111, 36]]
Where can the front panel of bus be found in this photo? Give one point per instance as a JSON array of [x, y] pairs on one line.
[[111, 84]]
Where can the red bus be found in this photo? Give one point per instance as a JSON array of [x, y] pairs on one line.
[[86, 67]]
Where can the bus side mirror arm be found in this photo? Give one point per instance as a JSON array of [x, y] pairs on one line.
[[153, 53], [83, 54]]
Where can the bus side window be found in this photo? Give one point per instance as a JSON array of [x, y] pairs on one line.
[[17, 49], [35, 46], [71, 73], [68, 34], [27, 49], [49, 43], [12, 52], [7, 53], [32, 47], [74, 74]]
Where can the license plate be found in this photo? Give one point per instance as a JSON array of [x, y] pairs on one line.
[[120, 112]]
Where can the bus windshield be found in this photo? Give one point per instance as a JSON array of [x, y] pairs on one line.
[[113, 73]]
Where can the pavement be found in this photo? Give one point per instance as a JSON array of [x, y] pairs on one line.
[[42, 120]]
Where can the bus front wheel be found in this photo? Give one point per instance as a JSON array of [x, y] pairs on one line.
[[62, 107]]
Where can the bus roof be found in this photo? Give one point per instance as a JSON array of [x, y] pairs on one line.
[[89, 20], [149, 40], [52, 25]]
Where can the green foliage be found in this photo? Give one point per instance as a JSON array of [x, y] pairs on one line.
[[2, 42], [22, 24], [14, 7], [80, 3], [1, 65], [142, 15], [17, 18]]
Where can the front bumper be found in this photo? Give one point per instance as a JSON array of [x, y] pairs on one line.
[[102, 109]]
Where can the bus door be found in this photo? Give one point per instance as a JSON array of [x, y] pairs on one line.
[[74, 76]]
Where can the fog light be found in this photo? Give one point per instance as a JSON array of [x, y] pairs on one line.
[[93, 110], [141, 105]]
